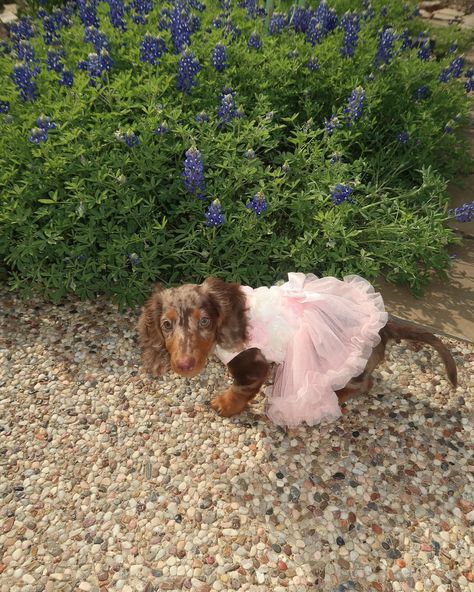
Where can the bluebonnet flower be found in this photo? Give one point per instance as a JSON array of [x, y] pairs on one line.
[[384, 12], [453, 48], [422, 92], [368, 13], [277, 23], [62, 17], [416, 11], [454, 69], [44, 122], [99, 40], [313, 65], [230, 30], [53, 61], [314, 32], [255, 41], [214, 215], [152, 48], [350, 24], [299, 17], [448, 128], [193, 173], [341, 193], [249, 154], [334, 158], [219, 57], [406, 40], [250, 7], [51, 34], [199, 6], [38, 135], [293, 54], [96, 65], [201, 117], [179, 27], [67, 78], [22, 29], [355, 105], [424, 53], [194, 23], [403, 137], [141, 8], [456, 66], [217, 23], [188, 67], [164, 20], [385, 47], [444, 75], [227, 110], [161, 129], [4, 106], [88, 13], [23, 76], [25, 51], [130, 139], [469, 84], [134, 259], [327, 17], [117, 14], [331, 124], [258, 203], [464, 213]]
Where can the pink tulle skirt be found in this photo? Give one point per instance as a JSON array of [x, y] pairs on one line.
[[321, 332]]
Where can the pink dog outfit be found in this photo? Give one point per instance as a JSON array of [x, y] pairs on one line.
[[321, 332]]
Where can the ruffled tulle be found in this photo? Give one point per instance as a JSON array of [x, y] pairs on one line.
[[321, 332], [338, 324]]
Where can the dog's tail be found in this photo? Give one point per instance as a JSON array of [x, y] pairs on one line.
[[396, 330]]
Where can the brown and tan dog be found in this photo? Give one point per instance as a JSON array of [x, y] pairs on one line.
[[179, 328]]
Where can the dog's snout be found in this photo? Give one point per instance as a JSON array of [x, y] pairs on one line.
[[186, 363]]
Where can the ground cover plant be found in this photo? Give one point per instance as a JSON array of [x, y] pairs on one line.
[[154, 141]]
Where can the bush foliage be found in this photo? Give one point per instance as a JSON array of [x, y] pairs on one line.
[[327, 141]]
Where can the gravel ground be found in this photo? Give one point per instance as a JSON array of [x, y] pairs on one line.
[[114, 481]]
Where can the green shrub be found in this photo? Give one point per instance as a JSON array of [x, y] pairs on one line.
[[83, 212]]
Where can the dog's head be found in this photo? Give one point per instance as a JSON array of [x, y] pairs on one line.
[[179, 326]]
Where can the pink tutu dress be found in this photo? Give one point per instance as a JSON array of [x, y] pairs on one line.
[[320, 332]]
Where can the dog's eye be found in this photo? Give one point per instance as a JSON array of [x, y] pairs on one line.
[[166, 325], [204, 322]]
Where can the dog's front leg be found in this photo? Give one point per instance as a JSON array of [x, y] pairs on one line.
[[249, 370]]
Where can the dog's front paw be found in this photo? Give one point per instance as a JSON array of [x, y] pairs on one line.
[[228, 403]]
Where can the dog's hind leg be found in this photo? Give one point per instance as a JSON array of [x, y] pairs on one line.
[[363, 383], [249, 370]]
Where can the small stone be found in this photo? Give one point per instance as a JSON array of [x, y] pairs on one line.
[[376, 528], [85, 586], [8, 524], [340, 541], [339, 476], [282, 565]]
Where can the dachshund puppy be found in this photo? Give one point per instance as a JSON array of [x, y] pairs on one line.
[[180, 327]]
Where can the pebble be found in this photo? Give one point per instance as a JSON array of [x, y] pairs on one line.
[[120, 481]]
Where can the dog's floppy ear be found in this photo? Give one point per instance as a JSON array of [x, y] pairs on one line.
[[231, 305], [155, 357]]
